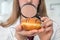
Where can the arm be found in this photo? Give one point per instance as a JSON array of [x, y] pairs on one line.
[[48, 29]]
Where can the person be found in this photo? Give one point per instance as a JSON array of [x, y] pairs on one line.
[[45, 32]]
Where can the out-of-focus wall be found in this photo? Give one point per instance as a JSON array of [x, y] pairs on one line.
[[53, 10], [6, 7]]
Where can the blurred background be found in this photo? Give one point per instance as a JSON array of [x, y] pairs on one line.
[[52, 8], [5, 9]]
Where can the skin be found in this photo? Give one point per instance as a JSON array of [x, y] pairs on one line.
[[48, 29], [44, 33]]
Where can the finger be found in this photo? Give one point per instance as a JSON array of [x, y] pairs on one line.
[[43, 18], [23, 33], [41, 30], [48, 29], [47, 22], [27, 33], [18, 28], [50, 23], [47, 19]]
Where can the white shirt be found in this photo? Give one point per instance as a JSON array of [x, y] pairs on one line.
[[9, 33]]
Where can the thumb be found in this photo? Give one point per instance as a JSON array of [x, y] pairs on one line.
[[18, 28]]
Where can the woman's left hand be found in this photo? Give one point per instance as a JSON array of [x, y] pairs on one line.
[[47, 29]]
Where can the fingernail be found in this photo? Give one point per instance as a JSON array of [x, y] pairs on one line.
[[42, 25]]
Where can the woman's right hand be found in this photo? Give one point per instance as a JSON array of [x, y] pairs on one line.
[[22, 34]]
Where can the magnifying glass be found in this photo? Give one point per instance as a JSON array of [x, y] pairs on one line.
[[28, 10]]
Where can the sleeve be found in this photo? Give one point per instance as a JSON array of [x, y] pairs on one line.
[[56, 32], [12, 31], [11, 35]]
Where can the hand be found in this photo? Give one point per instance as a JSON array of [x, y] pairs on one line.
[[47, 29], [22, 34]]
